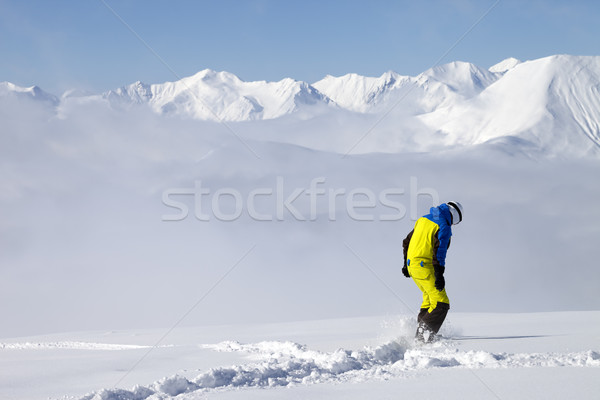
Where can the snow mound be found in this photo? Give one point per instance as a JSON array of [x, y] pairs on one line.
[[288, 363], [69, 345]]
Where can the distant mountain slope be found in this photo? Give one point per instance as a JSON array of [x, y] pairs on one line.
[[360, 93], [34, 92], [423, 93], [221, 96], [552, 103]]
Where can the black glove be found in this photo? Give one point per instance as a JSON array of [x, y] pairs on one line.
[[440, 282], [405, 271]]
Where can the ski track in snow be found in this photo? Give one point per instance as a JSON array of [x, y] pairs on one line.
[[69, 346], [287, 364]]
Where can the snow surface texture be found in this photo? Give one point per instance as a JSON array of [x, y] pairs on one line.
[[373, 355], [287, 363], [68, 345]]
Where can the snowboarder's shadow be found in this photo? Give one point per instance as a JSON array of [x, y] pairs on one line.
[[499, 337]]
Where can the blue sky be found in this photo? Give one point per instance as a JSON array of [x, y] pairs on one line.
[[61, 44]]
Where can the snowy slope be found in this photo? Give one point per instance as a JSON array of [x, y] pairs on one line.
[[214, 95], [463, 79], [360, 93], [551, 103], [334, 358]]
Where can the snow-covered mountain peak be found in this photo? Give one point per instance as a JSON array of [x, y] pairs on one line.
[[460, 76], [210, 76], [552, 103], [359, 93], [221, 95], [8, 87], [137, 93], [504, 65], [32, 92], [354, 79]]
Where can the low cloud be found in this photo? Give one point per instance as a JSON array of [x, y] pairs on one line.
[[83, 244]]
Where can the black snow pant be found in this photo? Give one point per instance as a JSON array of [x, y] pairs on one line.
[[431, 321]]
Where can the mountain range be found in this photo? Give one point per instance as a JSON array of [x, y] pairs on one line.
[[223, 96], [552, 103]]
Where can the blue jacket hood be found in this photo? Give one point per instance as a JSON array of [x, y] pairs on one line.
[[441, 212]]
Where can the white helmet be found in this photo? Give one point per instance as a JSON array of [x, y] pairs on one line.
[[456, 209]]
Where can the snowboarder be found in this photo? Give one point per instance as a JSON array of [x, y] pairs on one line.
[[425, 250]]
